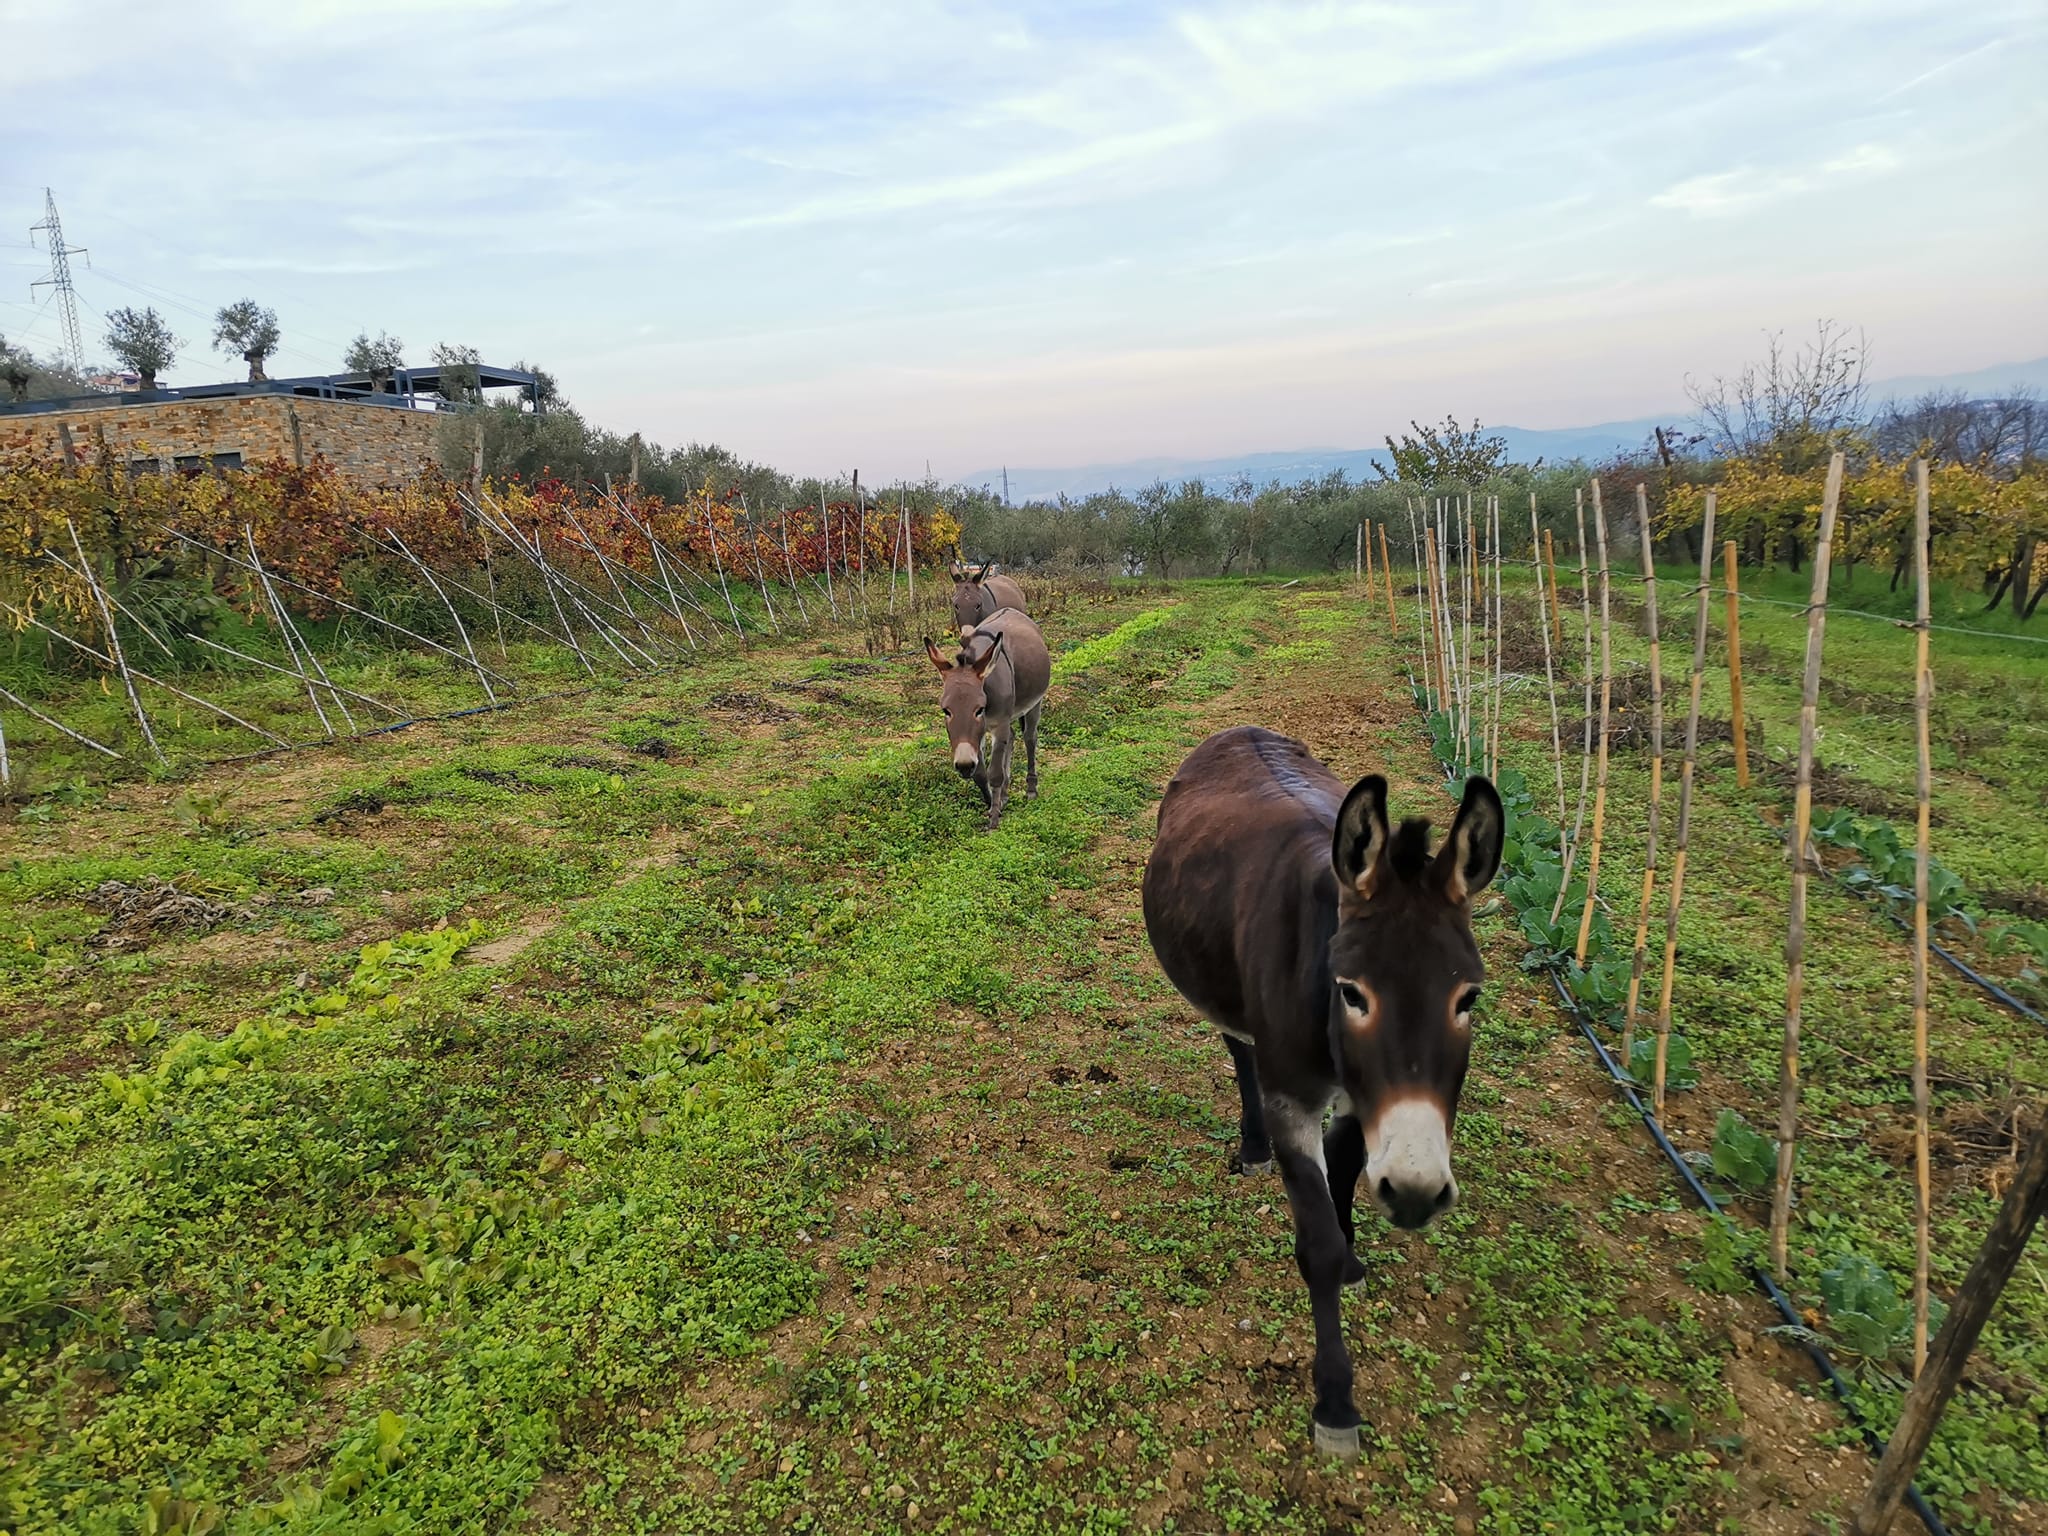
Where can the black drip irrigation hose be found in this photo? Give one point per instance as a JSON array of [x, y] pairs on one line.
[[1815, 1350]]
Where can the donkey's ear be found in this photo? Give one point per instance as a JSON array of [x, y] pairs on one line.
[[988, 658], [981, 575], [1358, 851], [938, 660], [1470, 856]]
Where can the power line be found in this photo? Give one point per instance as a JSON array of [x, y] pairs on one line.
[[60, 278]]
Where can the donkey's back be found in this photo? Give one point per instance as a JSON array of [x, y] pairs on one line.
[[1238, 896]]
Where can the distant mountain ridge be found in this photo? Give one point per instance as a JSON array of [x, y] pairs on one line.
[[1552, 444]]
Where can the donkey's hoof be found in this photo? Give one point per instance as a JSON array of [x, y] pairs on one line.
[[1340, 1443], [1239, 1166], [1355, 1273]]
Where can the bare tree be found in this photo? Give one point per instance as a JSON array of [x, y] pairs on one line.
[[1798, 405], [247, 330], [141, 340]]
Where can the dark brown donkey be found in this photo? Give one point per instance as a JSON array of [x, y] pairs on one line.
[[978, 595], [1338, 960], [999, 676]]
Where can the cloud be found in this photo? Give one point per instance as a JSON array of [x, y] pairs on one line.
[[1722, 193]]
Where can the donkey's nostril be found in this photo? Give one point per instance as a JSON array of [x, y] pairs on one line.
[[1444, 1197], [1387, 1190]]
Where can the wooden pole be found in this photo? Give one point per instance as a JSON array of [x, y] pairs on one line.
[[1606, 707], [1736, 729], [1802, 822], [1550, 569], [1387, 576], [1923, 703], [1685, 771], [1571, 845], [1639, 955], [2024, 1205], [1544, 623], [860, 505], [1358, 555]]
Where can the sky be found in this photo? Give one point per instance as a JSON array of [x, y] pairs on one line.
[[879, 236]]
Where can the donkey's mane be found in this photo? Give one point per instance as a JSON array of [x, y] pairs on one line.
[[1408, 850]]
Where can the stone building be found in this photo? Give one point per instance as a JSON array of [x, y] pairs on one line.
[[372, 437]]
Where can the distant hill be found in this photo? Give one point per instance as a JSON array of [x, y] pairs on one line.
[[1552, 444]]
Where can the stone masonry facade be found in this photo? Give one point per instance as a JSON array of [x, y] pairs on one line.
[[371, 444]]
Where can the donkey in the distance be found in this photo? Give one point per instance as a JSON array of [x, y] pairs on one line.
[[1337, 958], [998, 679], [978, 595]]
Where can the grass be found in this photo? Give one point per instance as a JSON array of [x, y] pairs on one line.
[[677, 1115]]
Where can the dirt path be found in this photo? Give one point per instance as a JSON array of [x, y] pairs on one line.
[[1053, 1307]]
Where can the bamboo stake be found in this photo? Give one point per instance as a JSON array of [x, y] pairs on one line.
[[57, 725], [1358, 555], [909, 552], [517, 540], [1387, 575], [1685, 772], [825, 523], [2018, 1214], [1453, 674], [1443, 692], [1802, 822], [1550, 565], [491, 583], [1735, 723], [1923, 702], [1545, 622], [860, 504], [1467, 555], [760, 575], [92, 581], [449, 603], [789, 569], [1499, 634], [611, 575], [719, 566], [172, 689], [1638, 957], [287, 632], [1571, 845], [1606, 708], [1421, 628], [6, 771]]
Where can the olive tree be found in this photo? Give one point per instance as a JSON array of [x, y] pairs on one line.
[[247, 330], [379, 359], [142, 341]]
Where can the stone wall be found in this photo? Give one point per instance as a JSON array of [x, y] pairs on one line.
[[371, 444]]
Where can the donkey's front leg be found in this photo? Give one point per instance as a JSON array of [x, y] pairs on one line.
[[1344, 1158], [1030, 724], [999, 774], [1320, 1250]]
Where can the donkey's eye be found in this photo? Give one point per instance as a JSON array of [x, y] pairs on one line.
[[1354, 999]]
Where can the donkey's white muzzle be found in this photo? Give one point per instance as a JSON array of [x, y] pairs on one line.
[[1408, 1163]]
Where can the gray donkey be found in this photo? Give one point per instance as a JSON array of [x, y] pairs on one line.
[[977, 595], [999, 677]]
